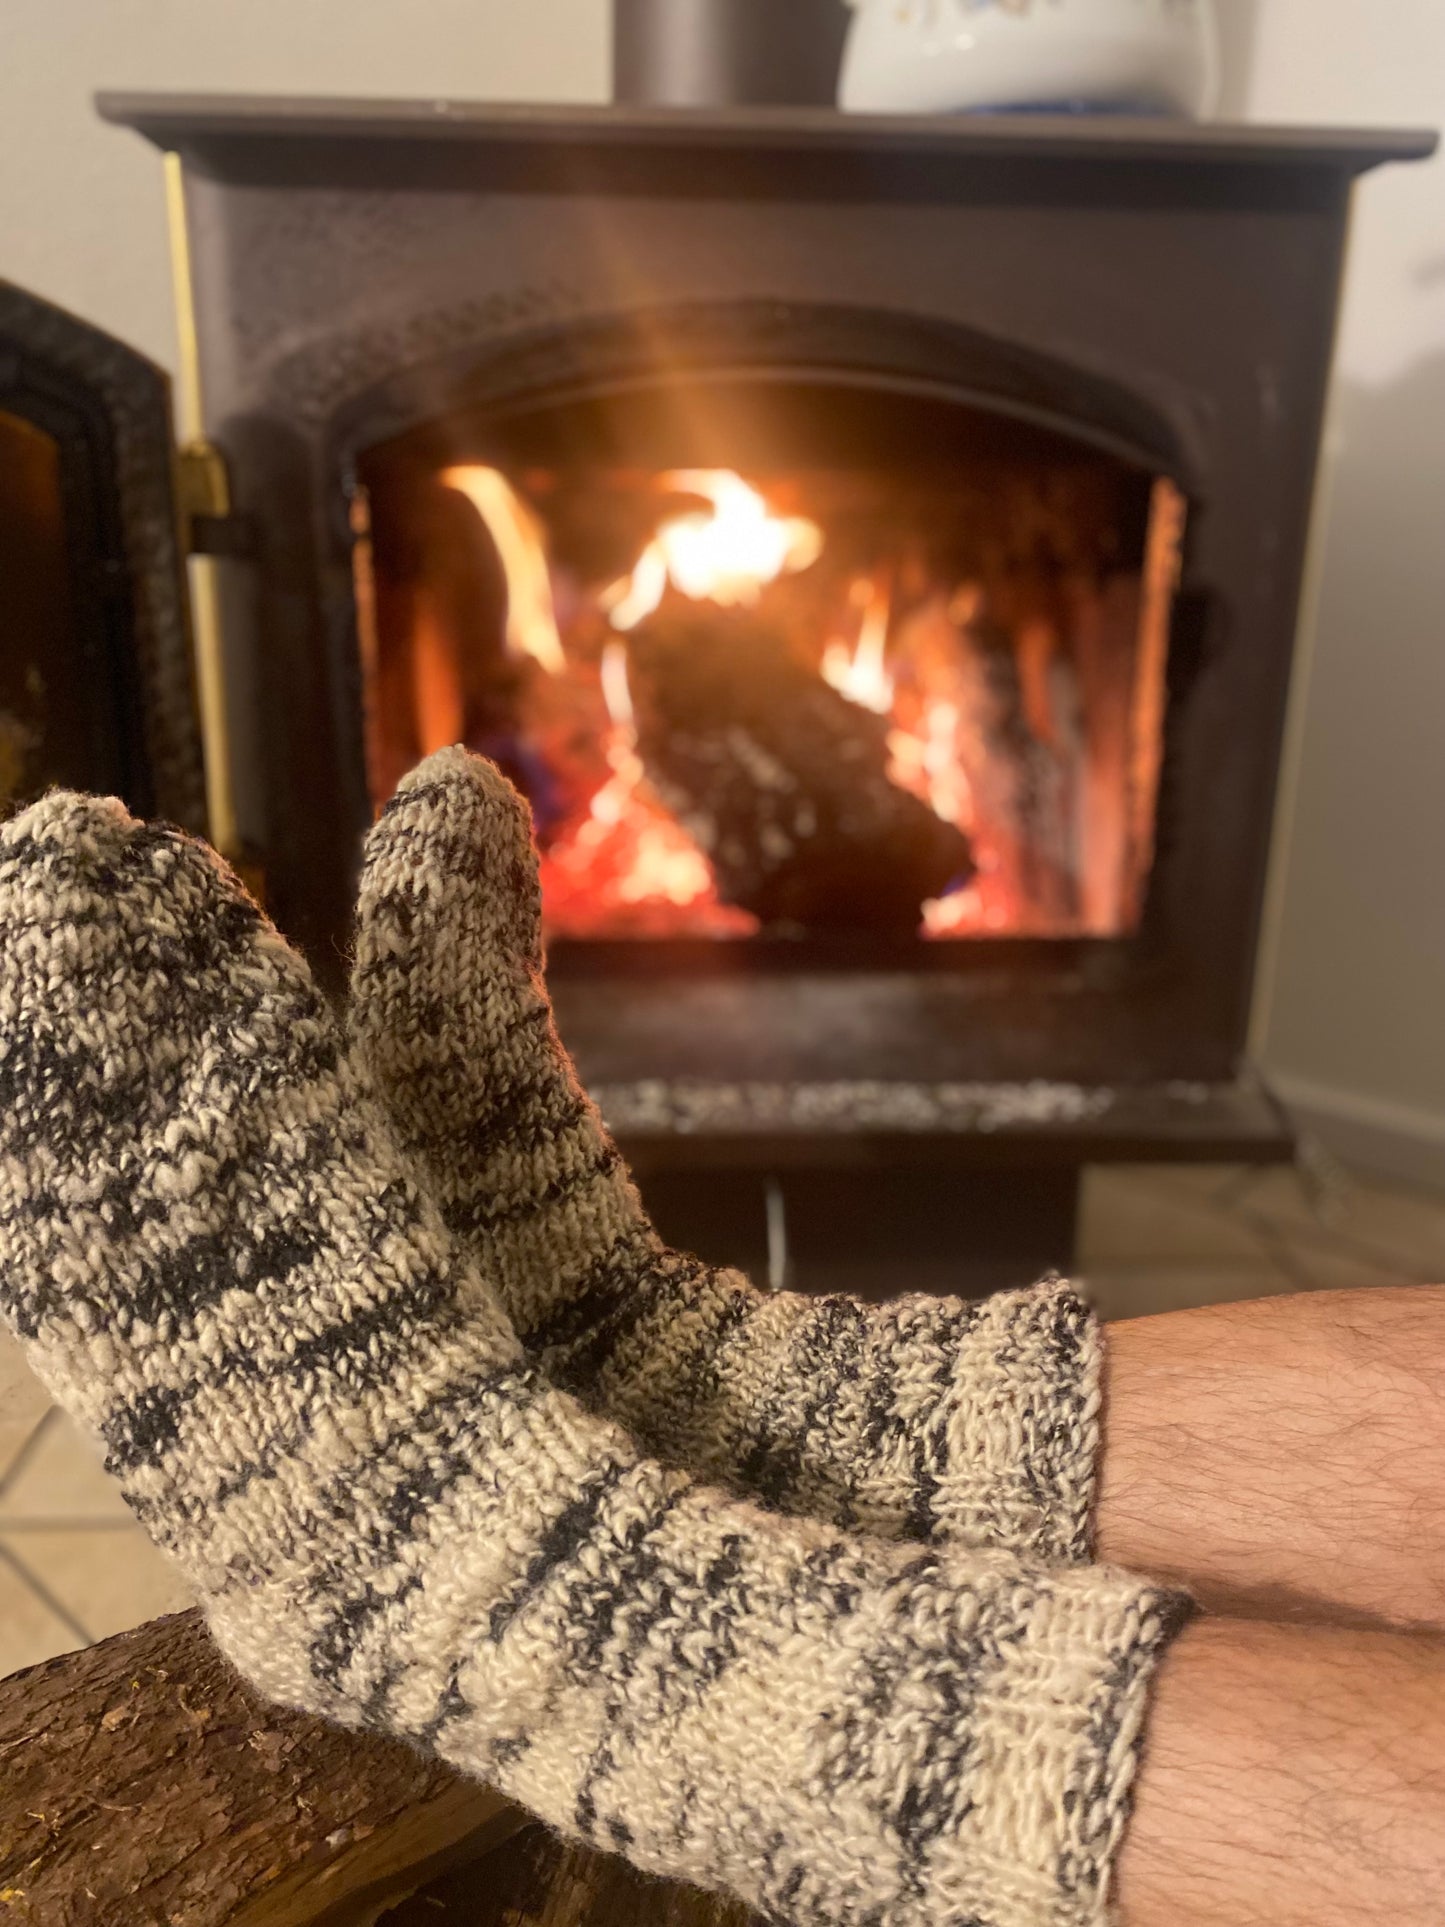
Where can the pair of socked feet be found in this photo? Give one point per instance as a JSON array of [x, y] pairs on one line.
[[787, 1596]]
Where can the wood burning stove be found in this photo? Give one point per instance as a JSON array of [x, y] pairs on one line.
[[875, 547]]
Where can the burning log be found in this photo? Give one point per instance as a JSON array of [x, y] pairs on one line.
[[781, 780], [1019, 757]]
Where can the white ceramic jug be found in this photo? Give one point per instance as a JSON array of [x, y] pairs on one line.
[[949, 56]]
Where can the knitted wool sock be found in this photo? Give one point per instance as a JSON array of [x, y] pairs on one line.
[[215, 1257], [923, 1418]]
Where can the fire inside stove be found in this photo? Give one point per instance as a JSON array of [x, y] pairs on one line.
[[796, 703]]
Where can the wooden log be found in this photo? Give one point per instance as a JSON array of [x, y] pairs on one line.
[[781, 780], [537, 1880], [142, 1784]]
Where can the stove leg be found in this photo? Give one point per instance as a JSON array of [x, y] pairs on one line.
[[875, 1232]]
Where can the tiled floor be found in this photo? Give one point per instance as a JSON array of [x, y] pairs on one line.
[[73, 1565], [73, 1568]]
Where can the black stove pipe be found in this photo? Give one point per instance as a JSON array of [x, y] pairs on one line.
[[728, 53]]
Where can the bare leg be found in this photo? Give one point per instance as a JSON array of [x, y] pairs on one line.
[[1286, 1457], [1291, 1778]]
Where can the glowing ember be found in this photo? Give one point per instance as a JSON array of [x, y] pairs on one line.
[[963, 913], [630, 866], [861, 674], [666, 864], [632, 870], [531, 618], [725, 554]]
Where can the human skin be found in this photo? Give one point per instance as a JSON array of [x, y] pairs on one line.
[[1291, 1778], [1284, 1458]]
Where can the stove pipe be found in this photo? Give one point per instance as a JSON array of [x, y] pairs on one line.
[[728, 53]]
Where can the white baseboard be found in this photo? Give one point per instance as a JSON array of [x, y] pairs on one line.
[[1393, 1140]]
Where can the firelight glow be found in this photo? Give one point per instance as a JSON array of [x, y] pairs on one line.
[[531, 618], [725, 554]]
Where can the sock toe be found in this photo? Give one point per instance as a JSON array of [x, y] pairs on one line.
[[67, 824], [473, 792], [133, 967], [94, 903], [454, 846]]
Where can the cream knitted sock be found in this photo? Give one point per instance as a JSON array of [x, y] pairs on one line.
[[924, 1418], [217, 1259]]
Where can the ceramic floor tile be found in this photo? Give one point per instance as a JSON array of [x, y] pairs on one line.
[[29, 1630], [1143, 1290], [60, 1477], [107, 1580], [1139, 1213], [23, 1401], [1372, 1222], [1318, 1266], [1203, 1181]]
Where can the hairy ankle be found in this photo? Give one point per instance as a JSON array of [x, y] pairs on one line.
[[1291, 1776], [1284, 1458]]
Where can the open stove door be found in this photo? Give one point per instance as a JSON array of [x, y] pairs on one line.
[[97, 685]]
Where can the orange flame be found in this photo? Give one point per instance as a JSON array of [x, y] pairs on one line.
[[725, 554], [630, 857], [531, 618], [924, 759], [616, 692], [861, 674]]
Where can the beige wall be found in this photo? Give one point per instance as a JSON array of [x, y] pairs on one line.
[[81, 213], [1352, 1011]]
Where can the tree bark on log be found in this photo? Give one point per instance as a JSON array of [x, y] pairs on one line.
[[537, 1880], [142, 1784]]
